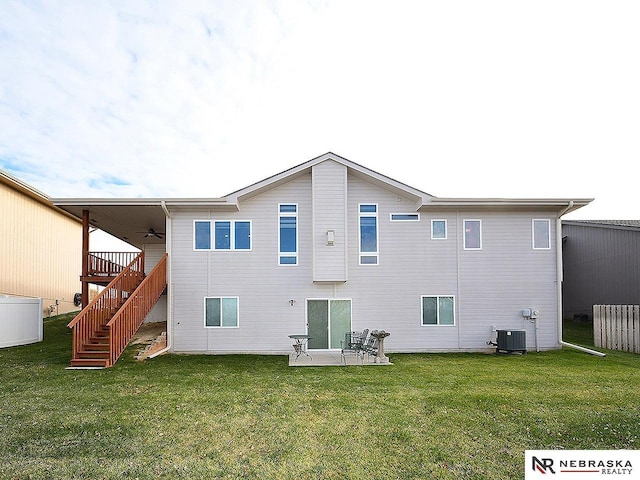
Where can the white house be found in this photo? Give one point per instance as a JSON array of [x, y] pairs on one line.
[[330, 246]]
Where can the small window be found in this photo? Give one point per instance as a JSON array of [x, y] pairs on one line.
[[473, 235], [202, 235], [368, 219], [541, 234], [438, 310], [288, 234], [368, 208], [221, 312], [405, 217], [438, 229]]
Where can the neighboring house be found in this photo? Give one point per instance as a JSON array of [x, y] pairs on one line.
[[330, 246], [601, 265], [40, 247]]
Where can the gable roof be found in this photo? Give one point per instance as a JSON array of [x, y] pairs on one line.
[[305, 168]]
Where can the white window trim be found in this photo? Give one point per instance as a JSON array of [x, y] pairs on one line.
[[464, 236], [446, 228], [438, 305], [232, 239], [221, 297], [289, 254], [533, 233], [413, 214], [369, 254]]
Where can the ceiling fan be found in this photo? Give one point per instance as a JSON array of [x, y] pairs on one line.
[[152, 233]]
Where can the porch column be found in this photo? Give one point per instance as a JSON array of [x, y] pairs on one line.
[[85, 257]]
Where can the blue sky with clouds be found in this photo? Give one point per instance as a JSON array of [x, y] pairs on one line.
[[201, 98]]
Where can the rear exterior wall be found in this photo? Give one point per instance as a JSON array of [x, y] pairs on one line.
[[491, 286]]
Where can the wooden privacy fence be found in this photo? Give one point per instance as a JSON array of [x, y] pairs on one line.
[[617, 327]]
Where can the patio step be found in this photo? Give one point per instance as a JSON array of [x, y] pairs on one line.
[[88, 362]]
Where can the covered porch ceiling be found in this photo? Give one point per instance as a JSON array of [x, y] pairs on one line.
[[131, 220]]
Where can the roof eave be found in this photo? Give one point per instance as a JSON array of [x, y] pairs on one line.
[[560, 203]]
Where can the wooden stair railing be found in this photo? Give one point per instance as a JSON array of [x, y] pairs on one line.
[[89, 326], [128, 319]]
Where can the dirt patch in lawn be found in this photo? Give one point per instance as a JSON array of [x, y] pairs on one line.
[[153, 338]]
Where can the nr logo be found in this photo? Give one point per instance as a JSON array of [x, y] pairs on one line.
[[542, 465]]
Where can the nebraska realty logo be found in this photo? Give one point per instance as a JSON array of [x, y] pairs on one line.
[[578, 464]]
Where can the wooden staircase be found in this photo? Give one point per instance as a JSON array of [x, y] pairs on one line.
[[102, 330], [94, 353]]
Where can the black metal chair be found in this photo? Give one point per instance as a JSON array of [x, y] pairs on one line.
[[370, 347], [352, 343]]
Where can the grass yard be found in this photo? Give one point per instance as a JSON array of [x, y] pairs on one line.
[[449, 416]]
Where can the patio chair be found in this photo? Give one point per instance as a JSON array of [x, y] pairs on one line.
[[352, 343], [370, 347]]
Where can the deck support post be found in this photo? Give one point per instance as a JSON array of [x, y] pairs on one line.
[[85, 257]]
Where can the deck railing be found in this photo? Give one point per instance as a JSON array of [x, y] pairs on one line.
[[96, 315], [108, 264], [128, 319]]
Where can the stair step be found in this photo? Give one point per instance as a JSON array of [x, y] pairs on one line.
[[88, 362], [99, 336], [92, 354], [96, 346]]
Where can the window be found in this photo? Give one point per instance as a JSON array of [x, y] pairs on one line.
[[202, 235], [438, 229], [232, 235], [541, 234], [223, 235], [227, 235], [368, 215], [405, 217], [438, 310], [472, 234], [221, 312], [288, 234]]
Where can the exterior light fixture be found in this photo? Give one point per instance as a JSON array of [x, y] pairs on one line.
[[331, 237]]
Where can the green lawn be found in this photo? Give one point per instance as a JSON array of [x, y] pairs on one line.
[[449, 416]]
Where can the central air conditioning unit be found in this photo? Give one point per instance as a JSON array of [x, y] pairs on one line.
[[510, 341]]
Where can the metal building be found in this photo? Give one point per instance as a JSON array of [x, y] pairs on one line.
[[40, 247], [601, 265]]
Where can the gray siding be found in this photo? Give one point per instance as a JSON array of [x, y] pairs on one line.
[[152, 255], [491, 286], [329, 182], [601, 266]]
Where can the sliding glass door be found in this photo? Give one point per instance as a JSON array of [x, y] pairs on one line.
[[327, 321]]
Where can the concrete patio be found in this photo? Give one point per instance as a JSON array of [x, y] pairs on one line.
[[332, 358]]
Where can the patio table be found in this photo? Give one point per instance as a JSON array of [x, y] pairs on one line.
[[300, 345]]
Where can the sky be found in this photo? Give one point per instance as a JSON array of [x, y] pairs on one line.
[[191, 98]]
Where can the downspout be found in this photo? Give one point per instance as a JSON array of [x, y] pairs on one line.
[[559, 284], [163, 204]]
